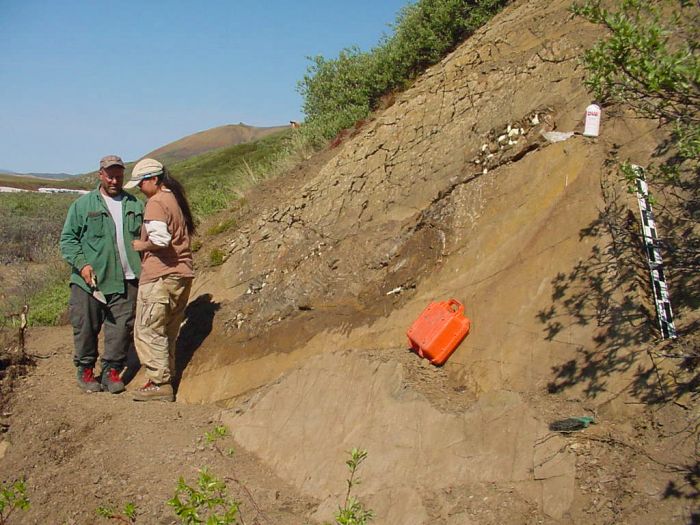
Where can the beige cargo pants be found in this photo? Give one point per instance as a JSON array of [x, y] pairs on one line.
[[160, 309]]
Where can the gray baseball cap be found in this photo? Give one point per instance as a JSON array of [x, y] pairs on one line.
[[111, 160]]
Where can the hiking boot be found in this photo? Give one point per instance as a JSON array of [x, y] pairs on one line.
[[111, 382], [87, 381], [152, 392]]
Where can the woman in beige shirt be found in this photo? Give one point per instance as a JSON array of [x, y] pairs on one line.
[[166, 275]]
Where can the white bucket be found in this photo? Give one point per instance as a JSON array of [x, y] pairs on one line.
[[592, 125]]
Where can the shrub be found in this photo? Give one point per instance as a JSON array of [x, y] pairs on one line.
[[30, 226], [339, 92], [208, 200], [128, 514], [649, 62], [353, 512]]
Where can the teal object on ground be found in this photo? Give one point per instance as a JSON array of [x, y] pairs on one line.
[[571, 424]]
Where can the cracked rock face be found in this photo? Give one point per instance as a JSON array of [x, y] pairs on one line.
[[326, 249]]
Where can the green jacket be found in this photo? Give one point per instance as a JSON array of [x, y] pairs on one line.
[[89, 237]]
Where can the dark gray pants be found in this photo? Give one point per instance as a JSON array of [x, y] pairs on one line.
[[88, 316]]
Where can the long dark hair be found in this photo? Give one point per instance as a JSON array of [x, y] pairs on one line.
[[179, 193]]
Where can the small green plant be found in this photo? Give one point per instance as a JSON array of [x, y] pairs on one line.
[[219, 432], [207, 502], [128, 514], [13, 496], [217, 257], [353, 512], [221, 227]]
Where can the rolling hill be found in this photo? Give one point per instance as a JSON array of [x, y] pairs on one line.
[[179, 150], [211, 139]]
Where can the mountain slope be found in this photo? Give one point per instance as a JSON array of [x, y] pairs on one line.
[[210, 139]]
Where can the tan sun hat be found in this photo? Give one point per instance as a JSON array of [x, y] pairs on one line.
[[144, 169]]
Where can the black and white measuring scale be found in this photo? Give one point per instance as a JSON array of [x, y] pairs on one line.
[[653, 254]]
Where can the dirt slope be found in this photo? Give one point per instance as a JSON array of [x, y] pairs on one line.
[[80, 451], [299, 335], [531, 245]]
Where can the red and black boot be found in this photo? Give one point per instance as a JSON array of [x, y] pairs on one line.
[[87, 381], [111, 382]]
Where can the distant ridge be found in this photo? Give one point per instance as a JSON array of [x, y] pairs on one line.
[[211, 139], [52, 176]]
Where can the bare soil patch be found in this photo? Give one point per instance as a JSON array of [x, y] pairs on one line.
[[79, 451]]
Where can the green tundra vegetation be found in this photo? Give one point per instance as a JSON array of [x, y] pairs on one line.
[[32, 270], [215, 179], [342, 91]]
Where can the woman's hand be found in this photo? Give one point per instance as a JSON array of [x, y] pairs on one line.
[[139, 245]]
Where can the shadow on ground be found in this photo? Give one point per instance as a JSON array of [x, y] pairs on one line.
[[689, 489], [612, 290], [198, 324]]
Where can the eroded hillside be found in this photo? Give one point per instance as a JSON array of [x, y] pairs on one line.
[[304, 322], [299, 336]]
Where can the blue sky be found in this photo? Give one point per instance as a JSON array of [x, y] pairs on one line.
[[82, 79]]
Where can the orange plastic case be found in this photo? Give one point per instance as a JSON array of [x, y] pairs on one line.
[[439, 330]]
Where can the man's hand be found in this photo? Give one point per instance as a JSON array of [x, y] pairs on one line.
[[88, 275]]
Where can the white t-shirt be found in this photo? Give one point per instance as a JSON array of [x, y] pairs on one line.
[[114, 205]]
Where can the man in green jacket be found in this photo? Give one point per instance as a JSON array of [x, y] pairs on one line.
[[96, 242]]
